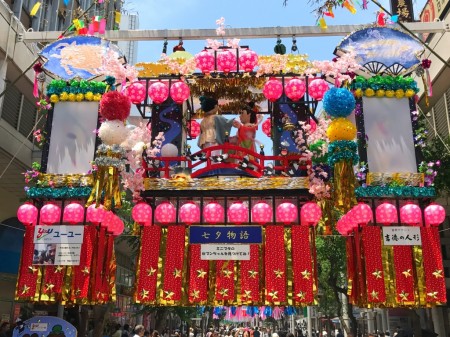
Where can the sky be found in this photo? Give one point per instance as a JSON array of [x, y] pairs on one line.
[[179, 14], [202, 14]]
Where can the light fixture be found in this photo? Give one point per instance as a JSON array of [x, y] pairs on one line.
[[294, 47], [164, 51]]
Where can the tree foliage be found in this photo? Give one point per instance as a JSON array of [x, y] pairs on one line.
[[437, 150]]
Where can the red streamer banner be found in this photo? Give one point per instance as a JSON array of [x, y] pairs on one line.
[[97, 289], [371, 238], [302, 265], [28, 274], [225, 289], [250, 276], [52, 283], [107, 267], [404, 278], [82, 272], [433, 266], [351, 271], [275, 265], [148, 267], [198, 275], [173, 264], [360, 279]]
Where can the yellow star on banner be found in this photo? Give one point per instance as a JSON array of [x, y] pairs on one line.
[[144, 294], [195, 294], [201, 273], [32, 269], [301, 295], [374, 294], [433, 295], [58, 269], [25, 289], [247, 294], [77, 291], [274, 295], [151, 271], [85, 271], [223, 292], [407, 273], [169, 294], [438, 273], [49, 286], [306, 274], [377, 274], [403, 295], [278, 273], [227, 273], [177, 273], [253, 273]]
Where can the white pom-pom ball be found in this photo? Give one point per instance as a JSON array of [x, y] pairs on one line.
[[138, 147], [113, 132], [169, 150]]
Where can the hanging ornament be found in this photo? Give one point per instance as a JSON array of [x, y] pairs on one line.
[[295, 89], [273, 89], [158, 92], [226, 61], [205, 61], [179, 91], [248, 60]]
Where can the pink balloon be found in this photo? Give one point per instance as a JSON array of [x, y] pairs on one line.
[[136, 92], [142, 214], [248, 60], [179, 91], [158, 92], [273, 89], [267, 127], [205, 61], [27, 214], [362, 213], [95, 214], [165, 213], [73, 213], [434, 215], [226, 61], [50, 214], [262, 213], [190, 213], [411, 214], [386, 214], [313, 125], [193, 128], [295, 89], [213, 213], [317, 88], [108, 219], [238, 213], [311, 213], [286, 213]]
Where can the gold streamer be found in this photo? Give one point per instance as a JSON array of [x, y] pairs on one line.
[[262, 285], [138, 268], [419, 276], [212, 282], [344, 185], [161, 259], [66, 288], [112, 277], [389, 276], [289, 273], [185, 287], [237, 282], [107, 182]]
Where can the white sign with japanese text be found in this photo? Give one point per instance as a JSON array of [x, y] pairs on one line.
[[68, 255], [225, 252], [401, 236], [58, 234], [38, 327]]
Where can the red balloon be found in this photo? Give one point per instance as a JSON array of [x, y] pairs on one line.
[[158, 92], [262, 213], [142, 214], [205, 61], [386, 214], [273, 89], [136, 92], [73, 213], [50, 214], [286, 213], [226, 61], [267, 127], [238, 213], [95, 214], [213, 213], [27, 214], [179, 91], [248, 60], [295, 89], [190, 213]]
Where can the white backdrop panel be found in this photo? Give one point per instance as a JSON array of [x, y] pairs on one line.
[[388, 125], [72, 142]]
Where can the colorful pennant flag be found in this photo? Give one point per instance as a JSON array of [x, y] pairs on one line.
[[35, 8]]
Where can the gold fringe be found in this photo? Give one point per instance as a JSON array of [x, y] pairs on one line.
[[289, 273], [344, 185], [419, 276], [161, 259], [389, 275]]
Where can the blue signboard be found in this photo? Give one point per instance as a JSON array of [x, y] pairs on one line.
[[225, 234], [44, 326]]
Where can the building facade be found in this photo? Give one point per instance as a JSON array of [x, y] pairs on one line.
[[129, 21]]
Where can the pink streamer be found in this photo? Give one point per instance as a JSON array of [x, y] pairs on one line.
[[35, 87], [364, 5], [102, 26], [337, 83], [91, 29]]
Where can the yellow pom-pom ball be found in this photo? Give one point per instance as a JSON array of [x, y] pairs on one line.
[[89, 96], [381, 93], [410, 93], [369, 92], [79, 97], [97, 97], [72, 97], [54, 98], [64, 96], [390, 93], [341, 129], [399, 93], [358, 93]]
